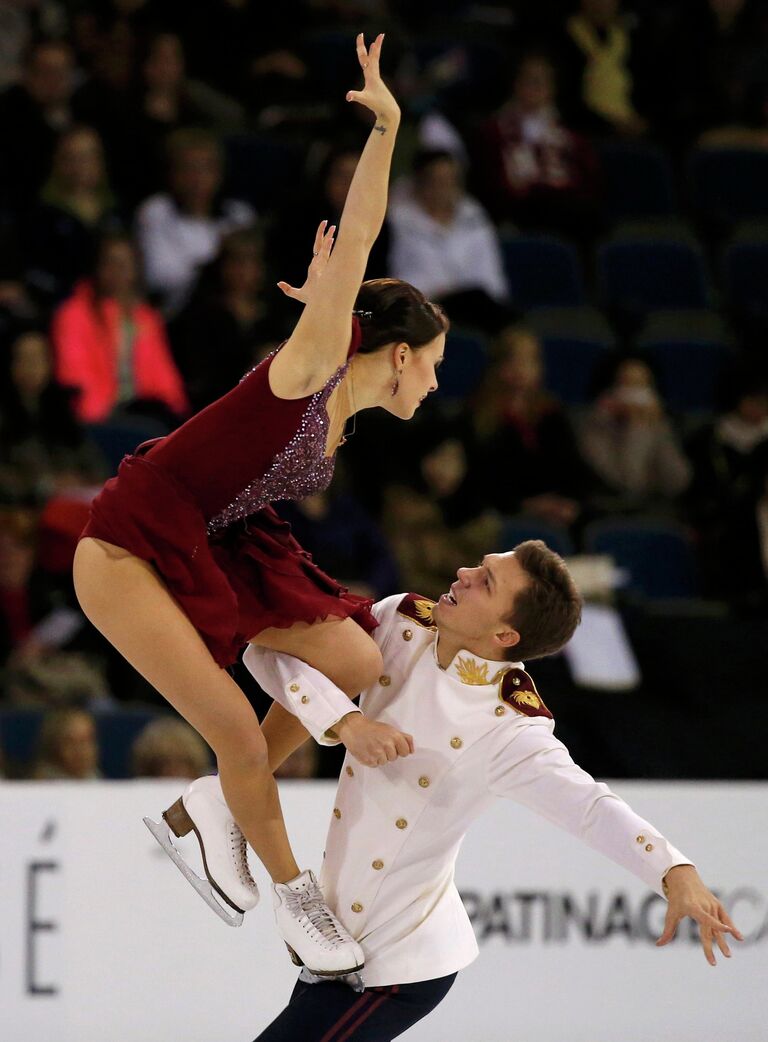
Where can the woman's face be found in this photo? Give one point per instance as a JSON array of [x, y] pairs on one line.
[[196, 176], [79, 162], [242, 270], [339, 178], [116, 273], [31, 364], [521, 367], [439, 185], [417, 375], [78, 751]]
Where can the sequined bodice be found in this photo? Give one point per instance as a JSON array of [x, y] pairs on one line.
[[300, 469]]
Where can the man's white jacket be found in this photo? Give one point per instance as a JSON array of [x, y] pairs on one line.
[[480, 731]]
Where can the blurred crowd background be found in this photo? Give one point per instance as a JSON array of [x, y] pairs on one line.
[[582, 185]]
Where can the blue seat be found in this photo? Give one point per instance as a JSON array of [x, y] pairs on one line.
[[570, 364], [658, 556], [641, 276], [521, 527], [118, 438], [542, 272], [464, 365], [729, 184], [746, 277], [19, 729], [689, 371], [263, 171], [637, 180]]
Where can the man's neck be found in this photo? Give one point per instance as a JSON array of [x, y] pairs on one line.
[[448, 648]]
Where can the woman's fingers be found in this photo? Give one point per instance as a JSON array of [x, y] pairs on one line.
[[319, 238], [287, 289]]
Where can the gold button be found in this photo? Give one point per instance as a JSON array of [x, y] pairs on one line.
[[304, 699], [641, 839], [456, 743], [401, 823], [424, 781], [500, 710], [407, 634], [357, 907], [649, 847], [377, 864], [516, 681], [350, 772], [384, 680], [294, 687], [336, 812]]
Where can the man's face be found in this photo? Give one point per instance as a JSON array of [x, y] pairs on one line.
[[472, 613]]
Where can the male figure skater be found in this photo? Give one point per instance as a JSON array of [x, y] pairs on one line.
[[454, 680]]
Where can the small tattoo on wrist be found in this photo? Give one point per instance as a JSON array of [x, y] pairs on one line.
[[380, 128]]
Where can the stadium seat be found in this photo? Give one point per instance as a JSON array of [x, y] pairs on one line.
[[517, 529], [542, 272], [263, 171], [745, 276], [729, 184], [658, 556], [637, 276], [466, 359], [119, 438], [575, 341], [689, 371], [637, 180]]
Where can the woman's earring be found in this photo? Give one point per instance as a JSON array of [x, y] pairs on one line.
[[396, 384]]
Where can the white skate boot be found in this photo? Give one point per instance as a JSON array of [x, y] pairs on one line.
[[312, 933], [203, 810]]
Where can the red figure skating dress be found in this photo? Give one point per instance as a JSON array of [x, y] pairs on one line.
[[196, 504]]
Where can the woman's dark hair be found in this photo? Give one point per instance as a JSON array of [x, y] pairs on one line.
[[392, 311]]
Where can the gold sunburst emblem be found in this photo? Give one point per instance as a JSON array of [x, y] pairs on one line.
[[527, 698], [423, 609], [471, 672]]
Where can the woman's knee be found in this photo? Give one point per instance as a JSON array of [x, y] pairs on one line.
[[241, 748]]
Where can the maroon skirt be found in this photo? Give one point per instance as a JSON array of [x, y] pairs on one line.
[[233, 585]]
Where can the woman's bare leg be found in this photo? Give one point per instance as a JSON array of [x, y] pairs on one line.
[[340, 649], [127, 601]]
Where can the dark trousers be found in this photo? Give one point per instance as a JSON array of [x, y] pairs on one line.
[[332, 1012]]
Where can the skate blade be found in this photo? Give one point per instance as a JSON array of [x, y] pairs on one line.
[[162, 834], [352, 980], [316, 975]]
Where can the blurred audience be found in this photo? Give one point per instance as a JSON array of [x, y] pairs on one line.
[[43, 448], [169, 748], [230, 322], [631, 444], [68, 748], [536, 172], [76, 206], [180, 230], [444, 243], [529, 458], [111, 346]]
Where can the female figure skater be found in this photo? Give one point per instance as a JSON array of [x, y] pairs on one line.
[[184, 561]]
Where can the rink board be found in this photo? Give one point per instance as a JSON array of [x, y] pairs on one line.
[[101, 938]]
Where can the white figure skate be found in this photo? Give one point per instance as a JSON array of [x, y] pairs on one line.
[[203, 810], [312, 933]]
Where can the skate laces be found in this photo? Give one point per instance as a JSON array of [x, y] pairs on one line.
[[238, 846], [310, 906]]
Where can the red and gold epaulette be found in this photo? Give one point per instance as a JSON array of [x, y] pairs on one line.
[[418, 609], [519, 691]]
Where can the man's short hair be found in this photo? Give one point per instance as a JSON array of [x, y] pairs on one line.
[[548, 610]]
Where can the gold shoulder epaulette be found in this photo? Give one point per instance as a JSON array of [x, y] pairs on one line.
[[418, 609], [519, 691]]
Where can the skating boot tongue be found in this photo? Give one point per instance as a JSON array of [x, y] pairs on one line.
[[301, 884]]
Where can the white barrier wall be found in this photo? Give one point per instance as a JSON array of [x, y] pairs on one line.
[[101, 940]]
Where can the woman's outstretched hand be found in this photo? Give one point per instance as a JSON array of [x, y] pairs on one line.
[[375, 94], [321, 251]]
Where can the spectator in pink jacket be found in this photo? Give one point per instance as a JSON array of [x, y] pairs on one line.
[[111, 346]]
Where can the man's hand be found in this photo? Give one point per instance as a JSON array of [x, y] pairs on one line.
[[371, 743], [688, 896]]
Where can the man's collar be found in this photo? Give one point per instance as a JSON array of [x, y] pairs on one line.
[[475, 671]]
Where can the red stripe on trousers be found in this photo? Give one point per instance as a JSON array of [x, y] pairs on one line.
[[367, 1013], [364, 998]]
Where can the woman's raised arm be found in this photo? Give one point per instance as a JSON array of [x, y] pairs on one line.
[[320, 340]]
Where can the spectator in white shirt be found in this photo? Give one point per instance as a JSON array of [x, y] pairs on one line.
[[180, 230], [444, 242]]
